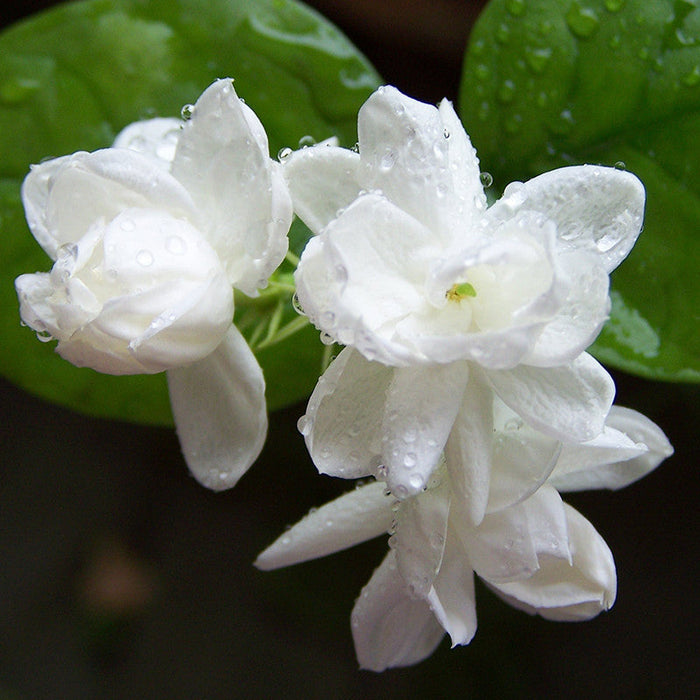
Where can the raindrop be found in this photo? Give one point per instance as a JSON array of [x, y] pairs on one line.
[[506, 92], [175, 245], [582, 21], [515, 7], [284, 153], [513, 424], [127, 224], [537, 58], [187, 111], [614, 5], [620, 165], [44, 336], [355, 148], [693, 78], [416, 481], [327, 318], [341, 274], [144, 258], [486, 179], [387, 161], [409, 460], [304, 425], [296, 305], [306, 141], [446, 133], [503, 33], [327, 338]]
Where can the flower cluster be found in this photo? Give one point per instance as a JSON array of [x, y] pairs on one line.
[[149, 239], [464, 390]]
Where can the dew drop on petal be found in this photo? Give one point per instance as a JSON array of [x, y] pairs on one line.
[[175, 245], [327, 338], [144, 258], [306, 141], [304, 425], [187, 111], [486, 179], [284, 153]]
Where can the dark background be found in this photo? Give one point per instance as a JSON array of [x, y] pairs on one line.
[[122, 578]]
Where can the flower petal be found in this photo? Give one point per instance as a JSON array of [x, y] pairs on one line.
[[562, 591], [222, 158], [570, 402], [343, 417], [219, 409], [388, 626], [581, 316], [365, 273], [523, 458], [156, 138], [323, 180], [355, 517], [595, 208], [469, 449], [421, 407], [64, 197], [451, 596], [629, 448], [419, 539]]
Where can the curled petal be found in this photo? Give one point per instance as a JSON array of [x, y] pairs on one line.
[[222, 159], [343, 417], [469, 449], [388, 626], [451, 596], [419, 540], [421, 407], [565, 591], [353, 518], [629, 448], [569, 403], [323, 181], [156, 138], [594, 208], [64, 198], [220, 413]]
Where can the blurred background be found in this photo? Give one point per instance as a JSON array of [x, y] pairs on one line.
[[121, 577]]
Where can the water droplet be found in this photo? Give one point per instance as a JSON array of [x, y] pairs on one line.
[[506, 92], [515, 7], [144, 258], [68, 250], [284, 153], [614, 5], [416, 481], [341, 274], [693, 78], [127, 224], [513, 124], [44, 336], [327, 319], [409, 461], [513, 424], [306, 141], [538, 57], [296, 305], [620, 165], [327, 338], [304, 425], [175, 245], [503, 33], [446, 133], [187, 111], [387, 160], [582, 21], [355, 148], [563, 124], [486, 179], [17, 90]]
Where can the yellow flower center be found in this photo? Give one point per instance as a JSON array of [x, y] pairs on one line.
[[459, 291]]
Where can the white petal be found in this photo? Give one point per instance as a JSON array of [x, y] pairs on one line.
[[570, 402], [323, 180], [629, 448], [466, 175], [468, 452], [222, 158], [405, 154], [580, 318], [365, 273], [595, 208], [64, 198], [523, 458], [356, 516], [419, 540], [388, 626], [563, 591], [508, 544], [156, 138], [451, 596], [343, 417], [219, 409], [421, 407]]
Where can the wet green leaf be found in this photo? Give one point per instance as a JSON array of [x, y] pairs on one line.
[[72, 77], [614, 82]]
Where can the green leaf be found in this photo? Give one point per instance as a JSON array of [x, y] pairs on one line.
[[548, 83], [72, 77]]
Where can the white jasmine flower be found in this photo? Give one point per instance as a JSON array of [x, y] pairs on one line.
[[412, 270], [149, 238], [533, 550]]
